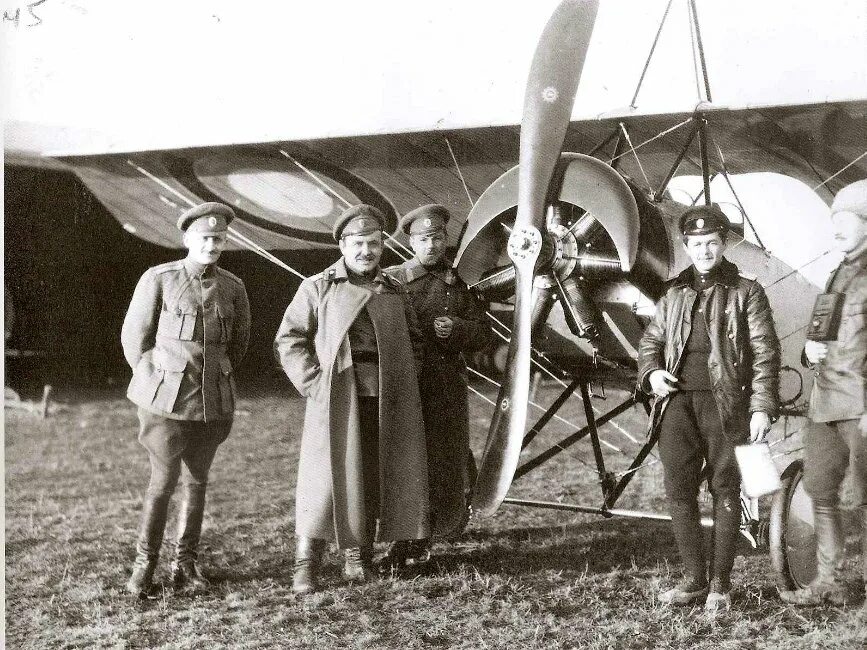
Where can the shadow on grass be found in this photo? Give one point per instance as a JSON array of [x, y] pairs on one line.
[[596, 547]]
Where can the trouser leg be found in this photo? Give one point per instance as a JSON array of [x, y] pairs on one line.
[[686, 525], [358, 565], [164, 477], [726, 527], [724, 481], [858, 465], [157, 437], [369, 418], [681, 451], [826, 458], [197, 459]]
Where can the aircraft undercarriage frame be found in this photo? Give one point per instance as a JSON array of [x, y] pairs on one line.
[[787, 533]]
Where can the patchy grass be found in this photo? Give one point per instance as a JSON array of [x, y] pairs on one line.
[[525, 578]]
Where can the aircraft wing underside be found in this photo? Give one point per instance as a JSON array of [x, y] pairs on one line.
[[287, 194]]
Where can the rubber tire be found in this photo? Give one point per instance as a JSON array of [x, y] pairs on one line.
[[792, 537]]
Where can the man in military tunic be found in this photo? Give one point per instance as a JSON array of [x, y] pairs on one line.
[[837, 420], [186, 329], [350, 344], [712, 359], [455, 326]]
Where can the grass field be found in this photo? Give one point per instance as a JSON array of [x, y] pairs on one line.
[[525, 578]]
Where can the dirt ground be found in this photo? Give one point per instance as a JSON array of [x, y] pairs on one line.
[[526, 578]]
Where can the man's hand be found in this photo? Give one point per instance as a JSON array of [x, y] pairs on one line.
[[443, 326], [760, 424], [815, 351], [862, 425], [662, 382]]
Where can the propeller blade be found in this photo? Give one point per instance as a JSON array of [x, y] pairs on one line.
[[548, 101], [503, 446], [550, 95]]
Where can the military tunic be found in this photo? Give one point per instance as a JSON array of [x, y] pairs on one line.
[[186, 328], [436, 292], [839, 397]]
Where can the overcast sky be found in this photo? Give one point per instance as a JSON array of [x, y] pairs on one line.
[[168, 74]]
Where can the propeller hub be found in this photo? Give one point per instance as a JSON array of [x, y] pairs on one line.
[[524, 242]]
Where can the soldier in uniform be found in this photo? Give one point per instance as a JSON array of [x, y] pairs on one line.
[[837, 420], [712, 359], [187, 327], [454, 325], [347, 343]]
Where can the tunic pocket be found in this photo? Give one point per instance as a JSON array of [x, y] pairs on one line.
[[178, 322], [169, 370]]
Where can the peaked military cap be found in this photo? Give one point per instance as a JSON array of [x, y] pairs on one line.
[[211, 217], [425, 220], [360, 219], [704, 220]]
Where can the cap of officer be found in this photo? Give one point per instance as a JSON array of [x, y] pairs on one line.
[[425, 220], [852, 198], [208, 217], [703, 220], [360, 219]]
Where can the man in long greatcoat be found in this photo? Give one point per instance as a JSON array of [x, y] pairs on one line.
[[350, 344], [455, 326]]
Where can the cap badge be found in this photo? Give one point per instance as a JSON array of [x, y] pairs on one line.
[[427, 222], [699, 223], [212, 221]]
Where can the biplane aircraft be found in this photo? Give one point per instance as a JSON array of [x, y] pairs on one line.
[[570, 239]]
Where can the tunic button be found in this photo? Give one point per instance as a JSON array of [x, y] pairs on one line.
[[207, 305]]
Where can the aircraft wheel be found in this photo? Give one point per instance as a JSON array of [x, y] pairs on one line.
[[792, 534]]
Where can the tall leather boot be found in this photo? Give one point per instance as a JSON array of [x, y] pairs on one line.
[[185, 571], [308, 558], [828, 584], [150, 539], [726, 526], [686, 525], [358, 565]]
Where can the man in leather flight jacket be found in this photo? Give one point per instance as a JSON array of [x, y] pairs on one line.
[[712, 358], [187, 327]]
